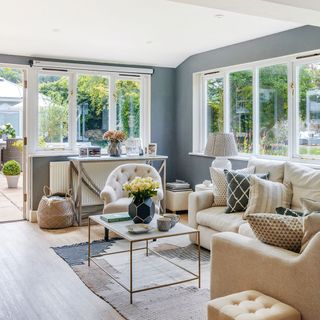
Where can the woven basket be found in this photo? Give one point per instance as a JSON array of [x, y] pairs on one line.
[[55, 211]]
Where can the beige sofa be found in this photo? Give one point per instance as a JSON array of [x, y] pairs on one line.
[[210, 219], [240, 262]]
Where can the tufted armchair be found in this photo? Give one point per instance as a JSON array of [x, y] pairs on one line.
[[115, 199]]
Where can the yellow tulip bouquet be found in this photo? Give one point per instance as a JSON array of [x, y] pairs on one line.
[[141, 188]]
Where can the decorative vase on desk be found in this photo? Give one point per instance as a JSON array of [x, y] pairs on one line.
[[114, 149], [114, 139], [142, 207]]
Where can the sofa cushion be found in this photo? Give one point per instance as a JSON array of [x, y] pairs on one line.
[[305, 183], [265, 196], [246, 230], [289, 212], [238, 190], [278, 230], [309, 205], [275, 168], [311, 226], [220, 184], [216, 218]]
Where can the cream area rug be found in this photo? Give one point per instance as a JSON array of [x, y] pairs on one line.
[[178, 302]]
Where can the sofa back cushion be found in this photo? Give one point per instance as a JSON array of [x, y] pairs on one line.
[[305, 183], [265, 196], [274, 168]]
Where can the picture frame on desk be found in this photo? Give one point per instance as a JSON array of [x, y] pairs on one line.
[[152, 149]]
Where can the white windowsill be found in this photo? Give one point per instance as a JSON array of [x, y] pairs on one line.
[[310, 163]]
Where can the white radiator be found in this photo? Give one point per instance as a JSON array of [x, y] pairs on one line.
[[59, 176], [98, 172]]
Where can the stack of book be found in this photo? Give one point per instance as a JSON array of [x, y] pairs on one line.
[[178, 185]]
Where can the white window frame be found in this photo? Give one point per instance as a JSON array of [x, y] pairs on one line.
[[73, 71], [293, 62]]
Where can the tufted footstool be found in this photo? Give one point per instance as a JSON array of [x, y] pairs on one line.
[[250, 305]]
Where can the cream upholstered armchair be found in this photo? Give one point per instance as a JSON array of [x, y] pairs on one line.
[[115, 199]]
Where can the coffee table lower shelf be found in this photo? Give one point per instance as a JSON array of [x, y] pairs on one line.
[[132, 290]]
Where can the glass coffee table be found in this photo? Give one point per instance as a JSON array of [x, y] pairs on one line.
[[120, 229]]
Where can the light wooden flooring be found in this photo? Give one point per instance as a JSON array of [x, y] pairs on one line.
[[36, 284]]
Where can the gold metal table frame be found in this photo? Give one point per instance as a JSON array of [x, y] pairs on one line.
[[149, 237]]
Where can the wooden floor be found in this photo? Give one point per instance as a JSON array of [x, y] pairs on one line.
[[36, 284]]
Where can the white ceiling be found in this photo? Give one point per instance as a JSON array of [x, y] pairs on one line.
[[151, 32], [308, 4]]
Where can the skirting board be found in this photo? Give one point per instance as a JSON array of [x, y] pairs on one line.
[[33, 216]]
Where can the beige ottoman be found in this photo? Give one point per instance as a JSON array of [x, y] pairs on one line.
[[250, 305]]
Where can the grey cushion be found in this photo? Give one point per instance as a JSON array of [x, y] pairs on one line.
[[238, 190]]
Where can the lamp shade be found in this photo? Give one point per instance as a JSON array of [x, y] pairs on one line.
[[221, 145]]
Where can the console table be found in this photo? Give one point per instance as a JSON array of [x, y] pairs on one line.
[[76, 165]]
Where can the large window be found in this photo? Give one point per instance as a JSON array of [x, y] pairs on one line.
[[92, 109], [53, 110], [273, 110], [309, 110], [241, 109], [74, 107], [272, 107], [214, 105], [128, 107]]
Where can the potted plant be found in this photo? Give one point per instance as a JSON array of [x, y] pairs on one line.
[[7, 131], [142, 207], [114, 138], [11, 169]]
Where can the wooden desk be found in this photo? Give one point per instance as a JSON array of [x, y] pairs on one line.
[[76, 165]]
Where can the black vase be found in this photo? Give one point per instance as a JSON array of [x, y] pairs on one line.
[[142, 210]]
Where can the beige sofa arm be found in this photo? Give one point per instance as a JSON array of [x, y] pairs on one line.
[[198, 201], [240, 263], [108, 195]]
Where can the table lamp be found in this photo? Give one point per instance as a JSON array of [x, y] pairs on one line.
[[221, 146]]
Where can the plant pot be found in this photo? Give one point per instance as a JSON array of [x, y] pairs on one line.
[[142, 211], [114, 149], [12, 181]]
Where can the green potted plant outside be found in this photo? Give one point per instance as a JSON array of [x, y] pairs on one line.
[[11, 169]]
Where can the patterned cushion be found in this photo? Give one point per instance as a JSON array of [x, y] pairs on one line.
[[281, 231], [266, 196], [238, 190], [289, 212], [220, 185]]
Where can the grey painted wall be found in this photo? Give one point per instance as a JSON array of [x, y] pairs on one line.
[[193, 168]]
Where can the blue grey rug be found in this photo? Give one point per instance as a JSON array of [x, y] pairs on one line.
[[179, 302], [77, 254]]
